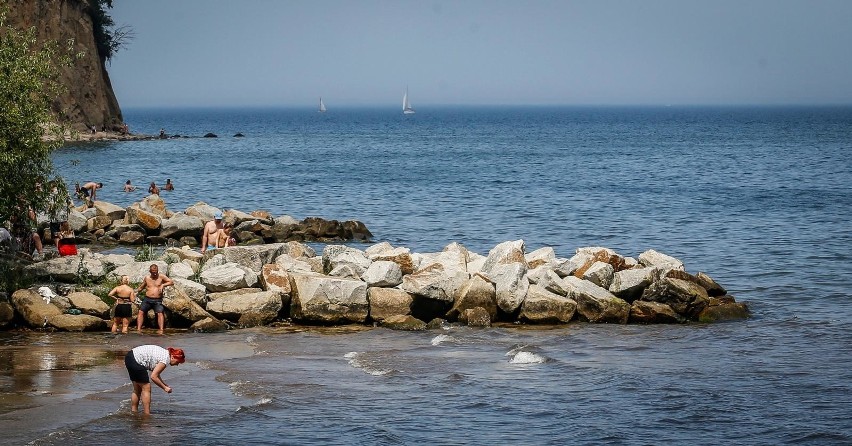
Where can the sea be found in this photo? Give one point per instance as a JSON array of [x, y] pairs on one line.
[[759, 198]]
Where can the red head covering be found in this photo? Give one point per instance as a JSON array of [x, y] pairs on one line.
[[177, 353]]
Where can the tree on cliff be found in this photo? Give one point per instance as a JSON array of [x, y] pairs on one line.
[[28, 73], [108, 38]]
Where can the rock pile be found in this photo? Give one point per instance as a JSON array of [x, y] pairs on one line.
[[256, 285], [149, 221]]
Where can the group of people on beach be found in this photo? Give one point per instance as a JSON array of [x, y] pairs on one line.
[[153, 284]]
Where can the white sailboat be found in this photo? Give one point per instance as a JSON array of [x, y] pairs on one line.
[[322, 106], [406, 105]]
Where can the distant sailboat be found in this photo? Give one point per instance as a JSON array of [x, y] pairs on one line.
[[406, 106], [322, 106]]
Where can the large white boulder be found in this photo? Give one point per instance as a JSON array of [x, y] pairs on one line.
[[247, 310], [383, 273], [227, 277], [326, 299]]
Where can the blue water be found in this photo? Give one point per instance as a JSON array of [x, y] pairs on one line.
[[759, 198]]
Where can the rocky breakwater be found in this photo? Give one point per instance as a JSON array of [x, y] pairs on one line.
[[245, 286], [149, 221]]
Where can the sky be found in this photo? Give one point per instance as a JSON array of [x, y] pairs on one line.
[[282, 53]]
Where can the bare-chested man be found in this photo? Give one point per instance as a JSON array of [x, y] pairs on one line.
[[210, 237], [153, 286], [89, 190]]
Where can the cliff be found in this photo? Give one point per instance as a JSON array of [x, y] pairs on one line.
[[89, 99]]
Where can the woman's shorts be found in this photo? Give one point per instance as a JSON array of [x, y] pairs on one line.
[[123, 310], [138, 373]]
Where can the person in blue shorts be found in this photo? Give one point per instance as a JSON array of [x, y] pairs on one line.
[[153, 285]]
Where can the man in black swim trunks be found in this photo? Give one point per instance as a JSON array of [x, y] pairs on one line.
[[153, 285]]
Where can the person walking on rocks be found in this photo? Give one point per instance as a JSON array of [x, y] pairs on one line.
[[211, 231], [153, 285], [142, 359], [123, 296]]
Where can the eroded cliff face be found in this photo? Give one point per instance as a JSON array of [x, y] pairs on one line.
[[89, 99]]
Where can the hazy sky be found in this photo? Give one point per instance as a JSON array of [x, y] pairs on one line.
[[350, 52]]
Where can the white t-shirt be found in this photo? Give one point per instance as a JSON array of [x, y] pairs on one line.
[[149, 355]]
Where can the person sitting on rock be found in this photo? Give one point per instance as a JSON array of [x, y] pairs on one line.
[[65, 242], [210, 233], [224, 237]]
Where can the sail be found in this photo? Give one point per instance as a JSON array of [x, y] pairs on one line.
[[322, 106], [406, 105]]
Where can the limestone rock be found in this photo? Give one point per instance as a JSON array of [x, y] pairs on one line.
[[194, 291], [110, 210], [35, 311], [543, 307], [643, 312], [298, 250], [404, 322], [203, 211], [540, 257], [180, 225], [89, 304], [327, 299], [686, 298], [476, 292], [178, 301], [724, 311], [288, 263], [383, 273], [475, 262], [7, 314], [154, 204], [713, 288], [450, 260], [68, 269], [551, 281], [131, 238], [475, 317], [148, 220], [595, 304], [184, 253], [98, 222], [248, 310], [600, 274], [386, 302], [434, 282], [504, 253], [226, 277], [208, 325], [336, 255], [511, 284], [180, 270], [79, 322], [237, 217], [654, 258], [77, 220], [239, 292], [630, 283], [136, 271], [400, 256]]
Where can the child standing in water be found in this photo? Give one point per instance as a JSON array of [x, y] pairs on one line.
[[123, 295]]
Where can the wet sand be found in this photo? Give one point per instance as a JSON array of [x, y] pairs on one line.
[[54, 381]]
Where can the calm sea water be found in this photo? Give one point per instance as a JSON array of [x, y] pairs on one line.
[[759, 198]]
